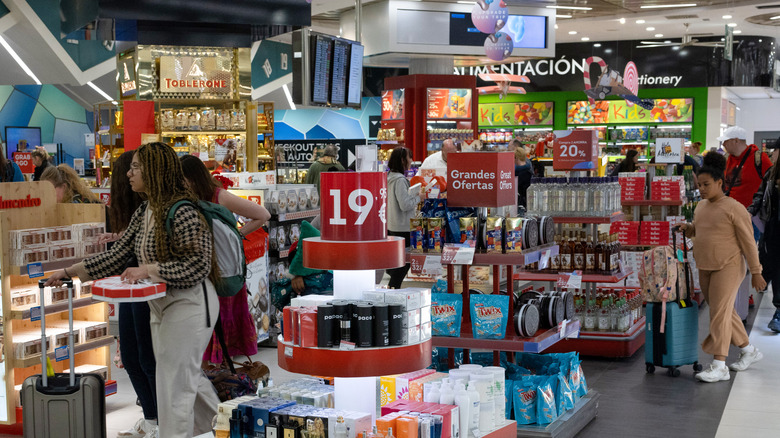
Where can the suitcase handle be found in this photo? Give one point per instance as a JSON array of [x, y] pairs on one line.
[[68, 282]]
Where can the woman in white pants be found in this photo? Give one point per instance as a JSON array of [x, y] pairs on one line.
[[180, 255]]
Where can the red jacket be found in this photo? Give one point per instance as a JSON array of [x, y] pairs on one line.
[[745, 183]]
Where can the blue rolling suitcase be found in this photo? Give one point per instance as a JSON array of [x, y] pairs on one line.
[[679, 343]]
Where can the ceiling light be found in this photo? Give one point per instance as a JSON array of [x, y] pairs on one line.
[[667, 41], [562, 16], [572, 32], [19, 61], [576, 8], [597, 45], [101, 92], [556, 26], [659, 35], [681, 5], [465, 2], [622, 21], [726, 17], [640, 21], [607, 50], [585, 39], [732, 25], [289, 96], [736, 32], [650, 29], [776, 17]]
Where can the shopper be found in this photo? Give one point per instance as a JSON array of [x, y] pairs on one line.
[[438, 160], [135, 333], [523, 173], [9, 171], [629, 164], [401, 206], [68, 185], [766, 208], [694, 151], [182, 258], [723, 237], [745, 167], [238, 327], [40, 159], [328, 160]]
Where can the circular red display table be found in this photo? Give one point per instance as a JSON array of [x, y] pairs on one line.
[[361, 362], [354, 255]]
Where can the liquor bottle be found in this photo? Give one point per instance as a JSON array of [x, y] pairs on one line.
[[614, 256], [599, 198], [599, 253], [565, 255], [579, 254], [590, 257], [555, 261], [530, 197], [604, 316], [571, 197], [591, 316]]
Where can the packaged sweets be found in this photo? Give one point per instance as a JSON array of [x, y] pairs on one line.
[[272, 242], [222, 117], [303, 199], [34, 237], [292, 200], [582, 389], [417, 238], [181, 119], [314, 198], [446, 310], [295, 233], [514, 234], [281, 237], [193, 119], [489, 316], [493, 234], [167, 120], [546, 411], [59, 235], [282, 202], [468, 228], [208, 119], [564, 396], [435, 232], [524, 400]]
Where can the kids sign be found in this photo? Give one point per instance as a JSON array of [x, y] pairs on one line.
[[575, 150], [353, 206], [480, 179]]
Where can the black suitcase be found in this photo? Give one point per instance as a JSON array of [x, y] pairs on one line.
[[66, 405]]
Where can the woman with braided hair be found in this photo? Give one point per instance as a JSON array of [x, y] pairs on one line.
[[181, 256]]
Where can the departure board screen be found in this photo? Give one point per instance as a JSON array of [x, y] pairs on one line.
[[323, 47], [338, 94], [355, 91]]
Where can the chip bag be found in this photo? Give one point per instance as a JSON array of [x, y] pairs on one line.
[[546, 411], [489, 316], [446, 312], [524, 401]]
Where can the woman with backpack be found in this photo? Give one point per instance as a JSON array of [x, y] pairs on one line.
[[724, 235], [9, 171], [182, 257], [238, 327]]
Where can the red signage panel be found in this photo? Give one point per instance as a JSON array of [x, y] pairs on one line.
[[393, 104], [449, 103], [24, 161], [353, 206], [576, 149], [480, 179]]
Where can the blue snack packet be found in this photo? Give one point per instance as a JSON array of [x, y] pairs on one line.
[[583, 389], [524, 401], [489, 316], [509, 387], [440, 287], [564, 395], [446, 311], [546, 411]]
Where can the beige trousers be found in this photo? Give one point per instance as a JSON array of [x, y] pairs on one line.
[[186, 400], [720, 290]]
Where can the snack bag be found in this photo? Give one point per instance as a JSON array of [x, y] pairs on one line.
[[494, 234], [508, 388], [417, 238], [489, 316], [514, 234], [575, 378], [583, 388], [435, 232], [524, 401], [564, 396], [546, 412], [446, 310], [468, 229]]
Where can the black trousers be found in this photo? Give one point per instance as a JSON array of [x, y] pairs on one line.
[[397, 275]]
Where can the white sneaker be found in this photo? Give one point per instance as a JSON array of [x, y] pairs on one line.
[[746, 359], [139, 430], [714, 374], [154, 433]]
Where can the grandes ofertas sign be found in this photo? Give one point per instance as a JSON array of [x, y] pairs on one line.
[[618, 111], [195, 74], [353, 206], [576, 149], [480, 179]]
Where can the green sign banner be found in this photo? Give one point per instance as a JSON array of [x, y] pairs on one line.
[[618, 111], [515, 114]]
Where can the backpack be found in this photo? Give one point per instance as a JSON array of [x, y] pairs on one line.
[[228, 245], [658, 275]]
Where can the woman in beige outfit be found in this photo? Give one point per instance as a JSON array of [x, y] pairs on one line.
[[724, 235]]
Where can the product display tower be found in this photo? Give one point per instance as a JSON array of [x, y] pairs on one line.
[[354, 243]]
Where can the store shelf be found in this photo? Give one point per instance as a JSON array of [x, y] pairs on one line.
[[525, 257], [508, 430], [55, 308], [568, 424], [541, 341], [283, 254], [183, 133], [615, 217], [197, 101], [586, 278], [296, 215], [605, 344], [646, 202], [79, 348], [380, 142], [361, 362], [47, 266]]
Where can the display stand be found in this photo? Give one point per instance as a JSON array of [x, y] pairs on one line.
[[109, 138], [47, 213], [568, 424]]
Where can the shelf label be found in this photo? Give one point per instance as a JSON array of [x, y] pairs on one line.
[[35, 270], [570, 281], [35, 313], [61, 353], [288, 351], [575, 150], [346, 346], [458, 254], [426, 265], [544, 260]]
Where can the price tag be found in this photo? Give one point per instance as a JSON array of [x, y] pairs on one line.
[[570, 281], [544, 260], [35, 313], [288, 351], [432, 266], [562, 326], [347, 346], [416, 263], [35, 270], [61, 353], [575, 150]]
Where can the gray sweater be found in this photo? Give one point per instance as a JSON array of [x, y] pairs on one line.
[[401, 206]]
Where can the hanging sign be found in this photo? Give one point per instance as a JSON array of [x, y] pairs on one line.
[[619, 111], [480, 179], [393, 104], [353, 205], [576, 149], [449, 103], [669, 150], [514, 114], [194, 74]]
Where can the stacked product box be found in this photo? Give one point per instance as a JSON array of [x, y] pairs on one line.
[[307, 391], [654, 233], [289, 199], [37, 245], [632, 185], [396, 387], [407, 416], [416, 386], [415, 315], [253, 415], [627, 231], [667, 188]]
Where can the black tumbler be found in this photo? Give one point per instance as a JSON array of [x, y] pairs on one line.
[[396, 330], [381, 326], [325, 324]]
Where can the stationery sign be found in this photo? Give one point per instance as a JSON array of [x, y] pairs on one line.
[[353, 205], [480, 179], [669, 150], [576, 149]]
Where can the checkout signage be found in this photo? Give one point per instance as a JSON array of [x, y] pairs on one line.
[[195, 74], [478, 179]]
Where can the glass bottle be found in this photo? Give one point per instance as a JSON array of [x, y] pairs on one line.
[[555, 261], [571, 197], [590, 257], [565, 255], [591, 316], [599, 198], [579, 254], [530, 197], [604, 316], [543, 196], [599, 256]]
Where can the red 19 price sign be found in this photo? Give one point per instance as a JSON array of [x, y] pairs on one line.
[[575, 150], [353, 205]]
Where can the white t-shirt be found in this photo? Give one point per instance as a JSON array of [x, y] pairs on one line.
[[434, 161]]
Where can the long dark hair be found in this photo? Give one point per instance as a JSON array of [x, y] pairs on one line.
[[4, 166], [200, 180], [124, 201], [714, 165], [628, 164], [396, 163]]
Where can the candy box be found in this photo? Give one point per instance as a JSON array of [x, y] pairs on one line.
[[59, 235], [513, 240], [493, 234], [113, 289], [88, 249], [61, 252], [303, 199], [88, 231], [93, 331], [29, 238], [22, 257], [59, 294], [24, 297], [436, 234], [417, 237], [292, 200], [314, 198], [27, 344]]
